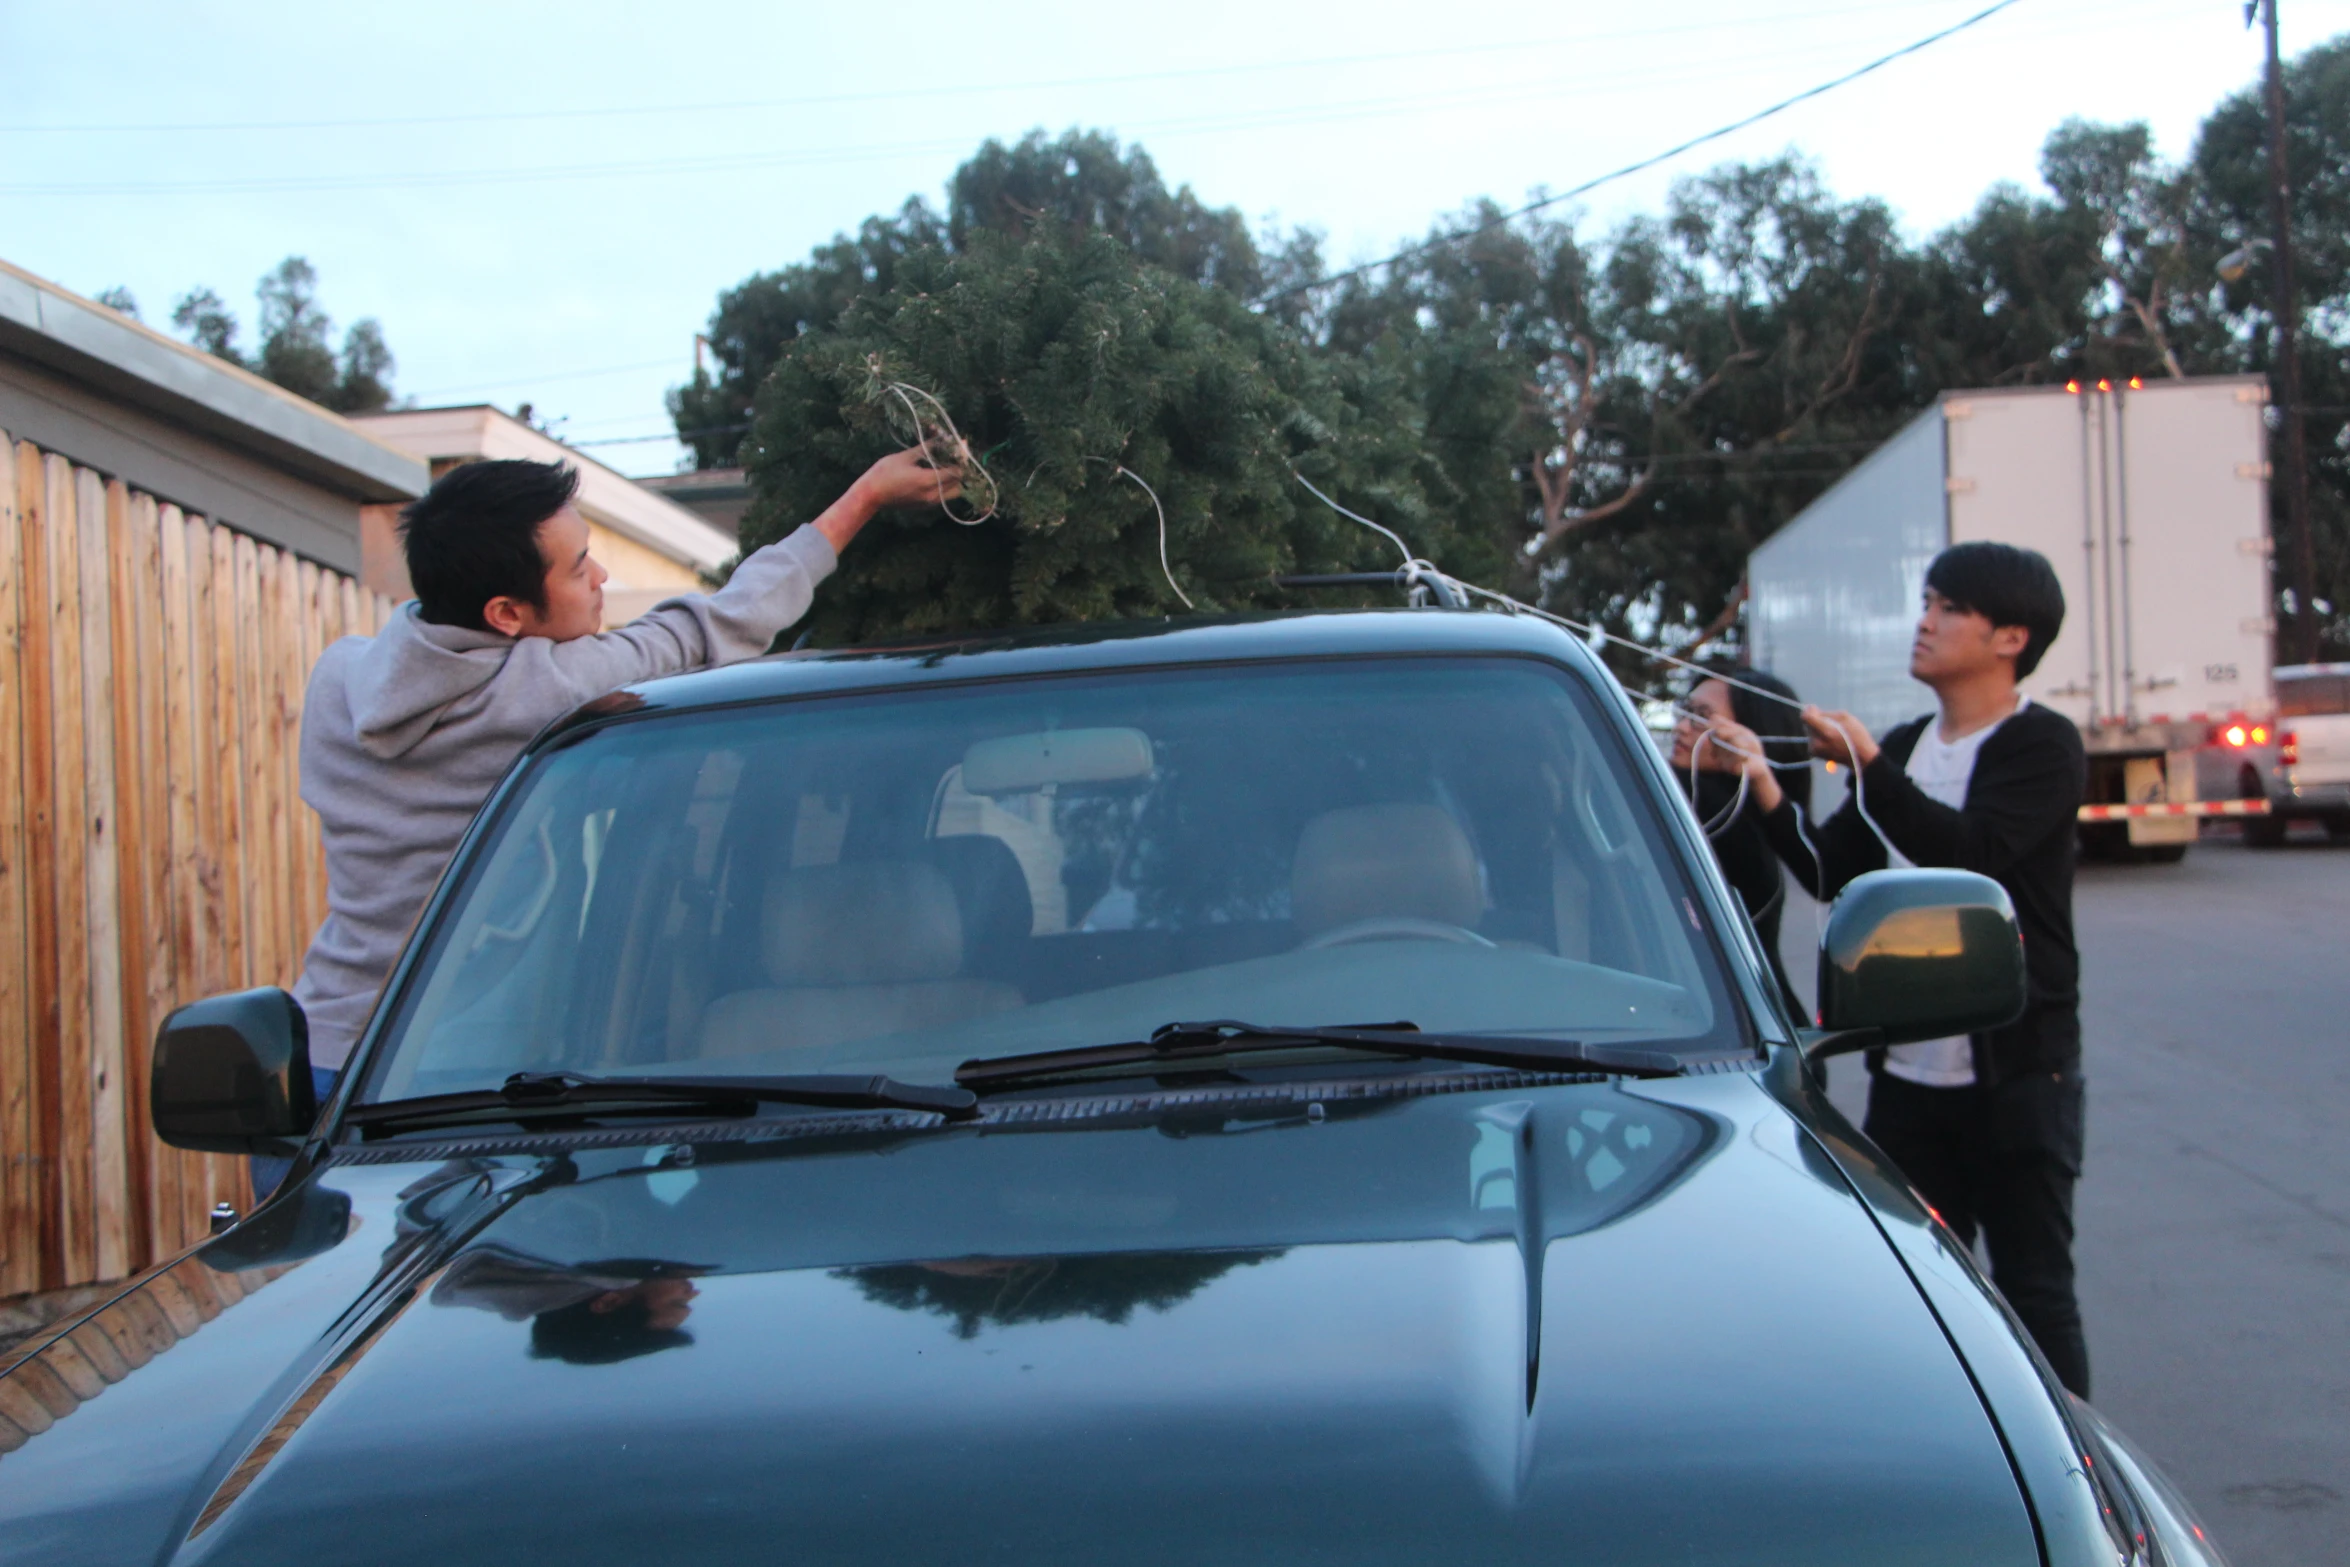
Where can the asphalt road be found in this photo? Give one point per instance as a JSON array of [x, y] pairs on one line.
[[2214, 1209]]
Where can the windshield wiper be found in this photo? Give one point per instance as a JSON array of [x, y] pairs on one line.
[[532, 1094], [1177, 1043]]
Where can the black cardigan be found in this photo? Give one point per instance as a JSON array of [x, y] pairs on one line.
[[2016, 828]]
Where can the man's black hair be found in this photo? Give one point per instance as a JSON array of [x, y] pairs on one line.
[[475, 536], [583, 1336], [2007, 586]]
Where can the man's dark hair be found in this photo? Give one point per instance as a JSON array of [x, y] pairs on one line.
[[475, 536], [2007, 586], [584, 1336]]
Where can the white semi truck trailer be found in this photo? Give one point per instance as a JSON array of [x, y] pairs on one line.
[[2152, 503]]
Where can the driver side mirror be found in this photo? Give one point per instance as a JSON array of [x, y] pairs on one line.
[[1917, 954], [232, 1075]]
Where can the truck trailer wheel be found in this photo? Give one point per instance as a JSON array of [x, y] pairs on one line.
[[2338, 826], [2164, 853], [2261, 832]]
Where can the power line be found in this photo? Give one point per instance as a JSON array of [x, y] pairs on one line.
[[1652, 161], [531, 381], [672, 435], [1480, 95], [508, 116], [1473, 96]]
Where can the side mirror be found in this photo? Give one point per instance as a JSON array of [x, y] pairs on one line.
[[232, 1075], [1918, 954]]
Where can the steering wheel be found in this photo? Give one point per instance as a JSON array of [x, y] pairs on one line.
[[1393, 928]]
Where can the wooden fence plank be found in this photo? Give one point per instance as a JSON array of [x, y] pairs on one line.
[[20, 1194], [77, 1217], [216, 668], [233, 837], [225, 761], [283, 639], [197, 869], [37, 608], [265, 809], [258, 799], [301, 653], [112, 1219], [176, 854], [143, 808]]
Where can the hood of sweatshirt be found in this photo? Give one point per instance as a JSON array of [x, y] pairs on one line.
[[405, 678]]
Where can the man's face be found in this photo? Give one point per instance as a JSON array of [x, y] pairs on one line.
[[574, 587], [1954, 643], [667, 1302]]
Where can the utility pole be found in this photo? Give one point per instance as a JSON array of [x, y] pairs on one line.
[[2301, 558]]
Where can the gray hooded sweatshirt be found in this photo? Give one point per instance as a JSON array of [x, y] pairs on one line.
[[405, 734]]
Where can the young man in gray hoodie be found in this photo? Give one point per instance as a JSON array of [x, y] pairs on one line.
[[404, 734]]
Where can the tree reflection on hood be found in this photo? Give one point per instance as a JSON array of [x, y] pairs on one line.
[[1011, 1290]]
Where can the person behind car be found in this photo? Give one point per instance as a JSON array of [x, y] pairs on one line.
[[405, 734], [1989, 1128], [1711, 774]]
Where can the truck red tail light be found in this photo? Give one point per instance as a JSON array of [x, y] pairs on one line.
[[2289, 748], [2234, 734]]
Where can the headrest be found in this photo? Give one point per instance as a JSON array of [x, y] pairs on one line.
[[883, 922], [990, 889], [1384, 862]]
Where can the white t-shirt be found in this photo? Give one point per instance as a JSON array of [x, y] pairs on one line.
[[1942, 769]]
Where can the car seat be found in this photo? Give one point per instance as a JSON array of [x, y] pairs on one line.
[[1396, 862], [853, 951], [992, 892]]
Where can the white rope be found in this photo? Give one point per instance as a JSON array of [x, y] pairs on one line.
[[1410, 561], [1414, 568], [1120, 470], [942, 443]]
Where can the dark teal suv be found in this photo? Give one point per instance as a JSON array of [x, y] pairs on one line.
[[1286, 1090]]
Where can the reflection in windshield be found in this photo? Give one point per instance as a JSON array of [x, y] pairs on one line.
[[1006, 1291], [898, 882]]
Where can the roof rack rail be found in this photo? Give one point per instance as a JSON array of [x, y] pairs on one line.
[[1423, 587]]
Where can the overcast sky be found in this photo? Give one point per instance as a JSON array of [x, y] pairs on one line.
[[542, 202]]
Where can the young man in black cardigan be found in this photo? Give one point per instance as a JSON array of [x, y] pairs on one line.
[[1989, 1128]]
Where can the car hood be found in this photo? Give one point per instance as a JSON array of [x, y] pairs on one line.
[[1512, 1322]]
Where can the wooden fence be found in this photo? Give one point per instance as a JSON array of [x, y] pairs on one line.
[[153, 846]]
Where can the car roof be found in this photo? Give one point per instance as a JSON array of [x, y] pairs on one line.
[[1102, 646]]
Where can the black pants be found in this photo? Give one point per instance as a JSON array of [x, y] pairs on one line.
[[2003, 1160]]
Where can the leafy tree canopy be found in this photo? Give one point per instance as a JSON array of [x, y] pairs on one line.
[[297, 348], [1080, 180], [1612, 421], [1064, 358]]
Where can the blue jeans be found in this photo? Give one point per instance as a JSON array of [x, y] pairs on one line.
[[269, 1170]]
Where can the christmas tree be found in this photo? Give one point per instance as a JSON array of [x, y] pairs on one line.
[[1071, 368]]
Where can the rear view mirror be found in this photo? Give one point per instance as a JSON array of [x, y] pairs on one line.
[[232, 1074], [1019, 764], [1919, 954]]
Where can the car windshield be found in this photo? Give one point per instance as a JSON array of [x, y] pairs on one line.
[[898, 882], [2314, 694]]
